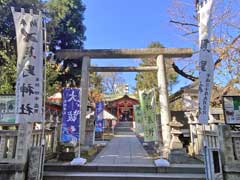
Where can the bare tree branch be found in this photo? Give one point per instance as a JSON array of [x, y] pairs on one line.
[[221, 57], [218, 61], [193, 32], [182, 73], [217, 97], [225, 39], [183, 23], [111, 80]]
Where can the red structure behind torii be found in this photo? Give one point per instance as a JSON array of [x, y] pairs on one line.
[[122, 108]]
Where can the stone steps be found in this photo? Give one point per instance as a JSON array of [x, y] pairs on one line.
[[124, 124], [103, 172], [124, 128], [173, 168], [124, 133], [120, 176]]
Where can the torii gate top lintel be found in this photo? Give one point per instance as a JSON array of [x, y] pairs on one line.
[[123, 53]]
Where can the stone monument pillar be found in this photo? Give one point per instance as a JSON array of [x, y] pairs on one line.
[[24, 143], [90, 131]]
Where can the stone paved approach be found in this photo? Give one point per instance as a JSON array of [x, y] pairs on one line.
[[123, 150]]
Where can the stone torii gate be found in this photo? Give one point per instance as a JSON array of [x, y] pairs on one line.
[[159, 53]]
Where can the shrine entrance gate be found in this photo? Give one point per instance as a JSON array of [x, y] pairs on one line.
[[161, 54]]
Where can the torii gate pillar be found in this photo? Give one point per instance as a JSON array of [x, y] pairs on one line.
[[84, 96], [164, 104]]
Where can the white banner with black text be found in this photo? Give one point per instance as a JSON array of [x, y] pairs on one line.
[[29, 66], [206, 66]]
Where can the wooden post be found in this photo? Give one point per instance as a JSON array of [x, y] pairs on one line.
[[84, 96], [117, 114], [164, 105], [55, 139]]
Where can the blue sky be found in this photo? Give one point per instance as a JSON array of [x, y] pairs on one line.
[[129, 24]]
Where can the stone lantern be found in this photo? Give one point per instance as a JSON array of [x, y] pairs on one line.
[[175, 132], [177, 153]]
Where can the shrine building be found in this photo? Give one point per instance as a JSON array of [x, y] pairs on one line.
[[122, 107]]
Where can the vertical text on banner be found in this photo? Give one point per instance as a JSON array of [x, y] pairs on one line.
[[99, 116], [206, 65], [148, 105], [29, 66], [138, 118], [70, 115]]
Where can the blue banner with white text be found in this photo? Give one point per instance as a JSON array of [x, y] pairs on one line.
[[70, 115], [99, 116]]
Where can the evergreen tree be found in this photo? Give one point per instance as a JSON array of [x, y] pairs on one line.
[[65, 27], [148, 80], [65, 30], [8, 52]]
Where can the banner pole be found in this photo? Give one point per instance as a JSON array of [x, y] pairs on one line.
[[206, 72], [78, 160], [79, 139], [205, 146], [103, 120], [42, 151], [103, 131]]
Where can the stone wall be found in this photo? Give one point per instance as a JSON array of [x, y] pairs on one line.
[[11, 171], [14, 147], [230, 152]]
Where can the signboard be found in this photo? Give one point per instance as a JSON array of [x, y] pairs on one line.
[[29, 66], [206, 64], [7, 109], [147, 100], [70, 115], [99, 116], [231, 109]]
